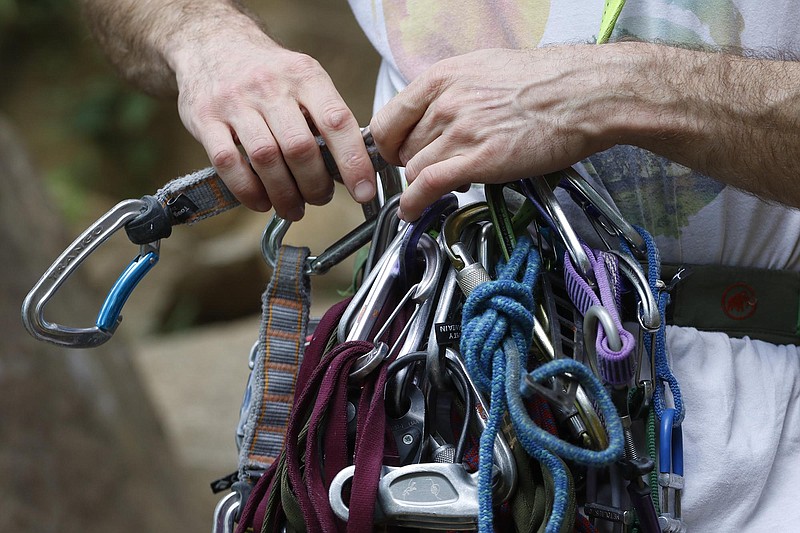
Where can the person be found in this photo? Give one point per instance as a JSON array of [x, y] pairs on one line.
[[689, 121]]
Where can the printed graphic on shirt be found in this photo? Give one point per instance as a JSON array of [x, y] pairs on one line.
[[691, 22], [421, 32], [650, 190]]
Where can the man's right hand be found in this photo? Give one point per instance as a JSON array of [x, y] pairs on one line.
[[237, 87]]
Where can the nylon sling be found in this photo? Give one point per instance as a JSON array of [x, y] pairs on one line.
[[257, 506], [294, 488], [286, 303]]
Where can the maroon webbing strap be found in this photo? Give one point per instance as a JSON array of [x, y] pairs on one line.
[[334, 369], [369, 451], [310, 457], [333, 455]]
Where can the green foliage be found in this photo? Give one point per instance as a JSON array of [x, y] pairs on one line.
[[93, 132], [119, 122]]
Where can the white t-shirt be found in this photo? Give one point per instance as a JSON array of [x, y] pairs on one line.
[[742, 397], [694, 219]]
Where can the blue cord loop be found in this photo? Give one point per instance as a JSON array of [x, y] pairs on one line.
[[497, 326], [663, 372], [528, 430]]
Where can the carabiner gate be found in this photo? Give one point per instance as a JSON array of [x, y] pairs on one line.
[[109, 317]]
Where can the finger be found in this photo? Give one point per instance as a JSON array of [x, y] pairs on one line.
[[267, 160], [428, 132], [301, 154], [392, 124], [424, 155], [432, 183], [341, 132], [233, 169]]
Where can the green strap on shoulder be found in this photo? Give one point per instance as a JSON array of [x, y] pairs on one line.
[[610, 15]]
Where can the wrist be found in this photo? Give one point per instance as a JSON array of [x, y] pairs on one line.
[[659, 101], [617, 95], [195, 36]]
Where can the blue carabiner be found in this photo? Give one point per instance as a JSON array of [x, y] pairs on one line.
[[670, 446], [109, 316], [670, 476]]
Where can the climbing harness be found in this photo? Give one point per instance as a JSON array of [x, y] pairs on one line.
[[491, 368]]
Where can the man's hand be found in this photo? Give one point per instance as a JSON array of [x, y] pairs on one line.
[[237, 89], [494, 116], [243, 89], [490, 116]]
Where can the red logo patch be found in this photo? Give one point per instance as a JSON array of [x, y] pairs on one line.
[[739, 301]]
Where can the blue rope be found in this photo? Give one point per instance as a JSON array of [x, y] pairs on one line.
[[527, 430], [497, 324], [663, 371], [497, 313]]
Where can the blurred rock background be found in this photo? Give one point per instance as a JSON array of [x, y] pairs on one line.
[[127, 437]]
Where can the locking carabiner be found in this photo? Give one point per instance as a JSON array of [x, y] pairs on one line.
[[109, 317]]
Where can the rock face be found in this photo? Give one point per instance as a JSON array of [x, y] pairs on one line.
[[81, 449]]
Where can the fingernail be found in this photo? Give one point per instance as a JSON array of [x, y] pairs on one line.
[[401, 215], [363, 191], [296, 213]]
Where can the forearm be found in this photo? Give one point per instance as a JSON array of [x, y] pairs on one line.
[[146, 40], [734, 118]]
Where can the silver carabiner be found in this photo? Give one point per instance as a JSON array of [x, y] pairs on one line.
[[109, 317], [595, 315], [225, 513], [362, 312], [590, 197], [537, 188], [421, 293], [506, 481], [275, 231], [649, 315]]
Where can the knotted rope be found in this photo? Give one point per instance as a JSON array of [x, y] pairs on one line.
[[498, 316], [497, 326]]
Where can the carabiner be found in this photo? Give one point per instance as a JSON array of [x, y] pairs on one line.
[[540, 193], [469, 272], [670, 473], [598, 209], [66, 263], [225, 513], [649, 315], [275, 231]]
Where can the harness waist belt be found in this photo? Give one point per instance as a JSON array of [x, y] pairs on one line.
[[758, 303]]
